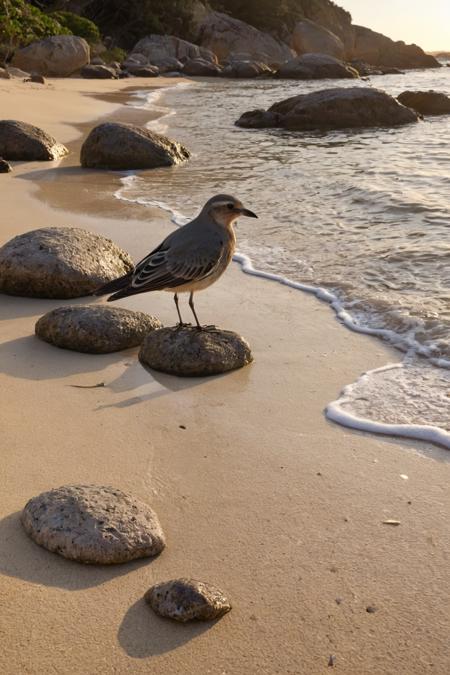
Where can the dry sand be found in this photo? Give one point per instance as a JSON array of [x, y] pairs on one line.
[[260, 494]]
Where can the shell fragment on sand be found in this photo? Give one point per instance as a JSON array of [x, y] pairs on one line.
[[187, 599]]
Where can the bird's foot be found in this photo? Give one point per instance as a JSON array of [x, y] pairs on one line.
[[211, 327], [181, 324]]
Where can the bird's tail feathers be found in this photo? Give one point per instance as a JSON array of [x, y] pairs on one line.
[[116, 285]]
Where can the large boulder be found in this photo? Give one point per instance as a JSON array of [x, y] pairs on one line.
[[113, 145], [201, 68], [93, 524], [246, 69], [57, 56], [95, 329], [426, 102], [187, 599], [338, 108], [310, 38], [190, 352], [316, 67], [24, 142], [379, 50], [157, 48], [98, 72], [60, 262], [224, 35]]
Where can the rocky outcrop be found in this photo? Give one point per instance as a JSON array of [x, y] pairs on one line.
[[316, 67], [188, 599], [190, 352], [95, 329], [24, 142], [310, 38], [4, 166], [158, 48], [60, 262], [98, 72], [339, 108], [125, 146], [93, 524], [379, 50], [225, 36], [246, 69], [57, 56], [201, 68], [426, 102]]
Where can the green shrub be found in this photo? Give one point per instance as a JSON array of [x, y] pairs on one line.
[[78, 25], [114, 54]]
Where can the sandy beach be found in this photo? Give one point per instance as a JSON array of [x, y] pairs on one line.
[[259, 494]]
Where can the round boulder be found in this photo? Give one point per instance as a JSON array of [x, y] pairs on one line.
[[316, 67], [56, 56], [24, 142], [60, 262], [426, 102], [192, 352], [95, 329], [113, 145], [93, 524], [187, 599]]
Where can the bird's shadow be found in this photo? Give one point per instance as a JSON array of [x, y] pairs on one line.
[[142, 633], [20, 557]]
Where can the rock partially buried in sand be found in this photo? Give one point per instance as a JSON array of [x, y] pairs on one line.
[[4, 166], [24, 142], [190, 352], [124, 146], [339, 108], [93, 524], [56, 56], [187, 599], [95, 329], [60, 262], [426, 102]]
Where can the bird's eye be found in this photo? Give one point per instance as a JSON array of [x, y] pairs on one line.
[[230, 206]]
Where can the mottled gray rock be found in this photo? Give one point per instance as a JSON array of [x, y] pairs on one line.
[[56, 56], [187, 599], [426, 102], [95, 329], [24, 142], [143, 71], [316, 67], [339, 108], [60, 262], [37, 79], [201, 68], [5, 167], [157, 48], [93, 524], [246, 69], [98, 72], [125, 146], [309, 38], [190, 352]]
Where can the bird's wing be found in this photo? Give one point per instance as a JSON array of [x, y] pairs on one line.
[[177, 261]]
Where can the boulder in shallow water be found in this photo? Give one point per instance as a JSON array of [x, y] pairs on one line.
[[113, 145], [187, 599], [95, 329], [316, 67], [340, 108], [56, 56], [93, 524], [190, 352], [426, 102], [24, 142], [60, 262]]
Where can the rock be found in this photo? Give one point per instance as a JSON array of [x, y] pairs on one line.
[[187, 599], [97, 61], [158, 48], [95, 329], [246, 69], [316, 67], [391, 71], [365, 69], [124, 146], [201, 68], [308, 38], [17, 73], [426, 102], [4, 75], [190, 352], [4, 166], [99, 72], [93, 524], [24, 142], [135, 59], [224, 35], [60, 262], [379, 50], [338, 108], [37, 79], [144, 71], [168, 64], [56, 56]]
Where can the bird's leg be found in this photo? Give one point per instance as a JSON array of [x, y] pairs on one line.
[[180, 324], [191, 305]]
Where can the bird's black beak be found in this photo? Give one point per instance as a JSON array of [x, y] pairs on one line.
[[246, 212]]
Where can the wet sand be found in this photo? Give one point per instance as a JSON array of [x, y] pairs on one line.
[[260, 494]]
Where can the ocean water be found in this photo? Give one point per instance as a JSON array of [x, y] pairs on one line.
[[360, 217]]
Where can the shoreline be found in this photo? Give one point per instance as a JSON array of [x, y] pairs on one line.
[[259, 494]]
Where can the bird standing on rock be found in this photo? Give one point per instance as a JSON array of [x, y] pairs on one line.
[[188, 260]]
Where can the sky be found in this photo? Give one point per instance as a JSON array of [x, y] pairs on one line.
[[425, 22]]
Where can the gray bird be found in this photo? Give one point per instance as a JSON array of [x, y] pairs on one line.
[[188, 260]]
